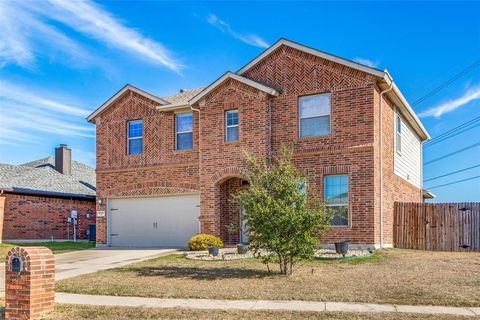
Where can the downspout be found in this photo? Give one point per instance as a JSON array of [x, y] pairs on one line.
[[381, 158], [199, 140], [270, 138]]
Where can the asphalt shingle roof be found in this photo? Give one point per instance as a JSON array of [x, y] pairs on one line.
[[40, 177], [183, 97]]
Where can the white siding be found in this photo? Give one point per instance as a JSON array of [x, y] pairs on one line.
[[408, 163]]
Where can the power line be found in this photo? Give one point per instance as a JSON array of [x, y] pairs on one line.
[[451, 135], [447, 83], [472, 121], [454, 182], [449, 174], [453, 153]]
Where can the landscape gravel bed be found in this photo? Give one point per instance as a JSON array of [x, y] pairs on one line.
[[231, 254]]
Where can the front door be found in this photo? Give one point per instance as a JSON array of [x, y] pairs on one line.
[[243, 228]]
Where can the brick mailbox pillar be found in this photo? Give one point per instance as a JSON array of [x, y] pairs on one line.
[[29, 282]]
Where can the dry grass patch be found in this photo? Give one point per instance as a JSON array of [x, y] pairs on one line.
[[71, 312], [390, 276]]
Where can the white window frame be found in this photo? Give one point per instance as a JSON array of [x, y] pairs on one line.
[[133, 138], [180, 132], [232, 126], [300, 118], [338, 205], [398, 133]]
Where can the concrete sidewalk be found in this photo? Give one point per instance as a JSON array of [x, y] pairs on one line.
[[290, 305]]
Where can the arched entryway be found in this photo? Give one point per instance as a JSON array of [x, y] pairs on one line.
[[232, 226]]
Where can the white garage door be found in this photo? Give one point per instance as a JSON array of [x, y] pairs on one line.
[[167, 221]]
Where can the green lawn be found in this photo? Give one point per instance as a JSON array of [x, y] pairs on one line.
[[56, 247], [390, 276]]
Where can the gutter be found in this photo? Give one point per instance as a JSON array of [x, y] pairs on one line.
[[172, 107], [409, 110], [48, 194], [381, 157]]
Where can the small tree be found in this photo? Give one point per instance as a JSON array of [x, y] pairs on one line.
[[279, 218]]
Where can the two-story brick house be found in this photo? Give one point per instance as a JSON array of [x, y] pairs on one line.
[[167, 167]]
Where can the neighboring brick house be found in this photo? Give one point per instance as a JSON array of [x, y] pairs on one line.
[[167, 167], [37, 199]]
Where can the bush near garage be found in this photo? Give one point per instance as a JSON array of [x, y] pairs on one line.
[[203, 241]]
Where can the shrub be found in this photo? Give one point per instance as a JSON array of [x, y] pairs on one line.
[[203, 241], [281, 216]]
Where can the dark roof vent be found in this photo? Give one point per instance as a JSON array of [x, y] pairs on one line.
[[63, 159]]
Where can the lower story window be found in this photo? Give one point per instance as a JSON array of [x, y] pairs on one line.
[[336, 198]]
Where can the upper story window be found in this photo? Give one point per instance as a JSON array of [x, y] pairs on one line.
[[336, 198], [231, 121], [314, 115], [135, 137], [184, 131], [398, 134]]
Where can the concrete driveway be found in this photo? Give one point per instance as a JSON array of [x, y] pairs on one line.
[[77, 263]]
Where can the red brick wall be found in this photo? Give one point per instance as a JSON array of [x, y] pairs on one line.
[[41, 218], [220, 160], [158, 135], [229, 211], [349, 149], [266, 123], [159, 170], [395, 188]]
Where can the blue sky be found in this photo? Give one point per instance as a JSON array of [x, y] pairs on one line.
[[59, 60]]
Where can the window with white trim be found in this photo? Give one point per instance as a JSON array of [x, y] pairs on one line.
[[314, 114], [184, 131], [336, 198], [398, 134], [135, 137], [231, 122]]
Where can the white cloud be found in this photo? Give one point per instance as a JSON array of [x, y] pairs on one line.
[[29, 120], [367, 62], [13, 136], [90, 19], [30, 115], [28, 30], [451, 105], [250, 39], [27, 96], [24, 36]]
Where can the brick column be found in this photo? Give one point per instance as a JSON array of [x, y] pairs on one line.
[[210, 209], [101, 222], [29, 282], [2, 211]]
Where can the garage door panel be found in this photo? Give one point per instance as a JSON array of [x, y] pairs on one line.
[[167, 221]]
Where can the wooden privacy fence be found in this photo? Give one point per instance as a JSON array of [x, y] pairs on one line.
[[437, 226]]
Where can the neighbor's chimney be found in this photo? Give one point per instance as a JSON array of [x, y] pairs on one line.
[[63, 159]]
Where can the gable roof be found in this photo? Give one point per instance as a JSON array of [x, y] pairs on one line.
[[39, 177], [120, 93], [190, 97], [395, 94], [314, 52], [231, 75]]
